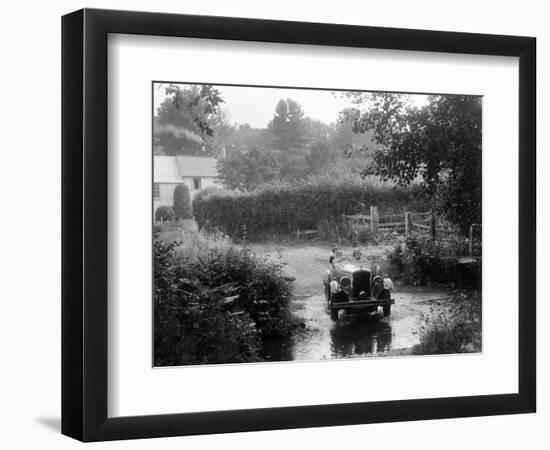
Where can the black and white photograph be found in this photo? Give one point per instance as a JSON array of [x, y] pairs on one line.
[[269, 225], [300, 224]]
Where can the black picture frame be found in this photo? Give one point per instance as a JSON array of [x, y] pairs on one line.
[[84, 224]]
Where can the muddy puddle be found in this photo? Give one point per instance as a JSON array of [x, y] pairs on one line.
[[352, 335]]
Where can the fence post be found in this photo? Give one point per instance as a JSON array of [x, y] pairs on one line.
[[407, 223], [374, 219]]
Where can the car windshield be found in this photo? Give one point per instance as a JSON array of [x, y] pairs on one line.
[[353, 257]]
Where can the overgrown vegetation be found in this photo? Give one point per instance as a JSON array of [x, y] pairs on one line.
[[421, 261], [336, 229], [214, 302], [284, 208], [454, 330]]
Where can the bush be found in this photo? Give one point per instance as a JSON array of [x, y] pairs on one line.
[[260, 286], [164, 214], [457, 330], [192, 324], [214, 303], [334, 229], [420, 261], [182, 202], [285, 208], [396, 258], [364, 236], [199, 244]]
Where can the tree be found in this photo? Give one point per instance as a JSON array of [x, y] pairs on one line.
[[241, 138], [246, 170], [288, 125], [318, 156], [294, 164], [438, 144], [182, 202], [183, 122], [317, 131]]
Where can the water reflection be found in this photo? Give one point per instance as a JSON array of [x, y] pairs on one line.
[[360, 336], [349, 336], [322, 338]]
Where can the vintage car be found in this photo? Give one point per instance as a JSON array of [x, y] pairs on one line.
[[351, 287]]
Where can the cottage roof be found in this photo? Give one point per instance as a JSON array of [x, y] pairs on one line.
[[196, 166], [172, 169], [166, 170]]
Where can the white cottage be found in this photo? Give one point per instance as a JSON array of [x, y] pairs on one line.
[[196, 172]]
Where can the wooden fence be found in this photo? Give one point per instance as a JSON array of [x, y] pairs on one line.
[[405, 223]]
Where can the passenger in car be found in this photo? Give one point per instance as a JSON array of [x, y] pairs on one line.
[[388, 283]]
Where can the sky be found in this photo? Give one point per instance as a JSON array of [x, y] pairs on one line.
[[256, 105]]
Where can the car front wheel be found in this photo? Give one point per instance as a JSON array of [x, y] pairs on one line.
[[384, 295], [334, 313]]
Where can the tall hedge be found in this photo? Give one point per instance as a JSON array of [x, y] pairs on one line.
[[182, 202], [284, 208]]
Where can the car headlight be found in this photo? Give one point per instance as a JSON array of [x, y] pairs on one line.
[[345, 282]]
